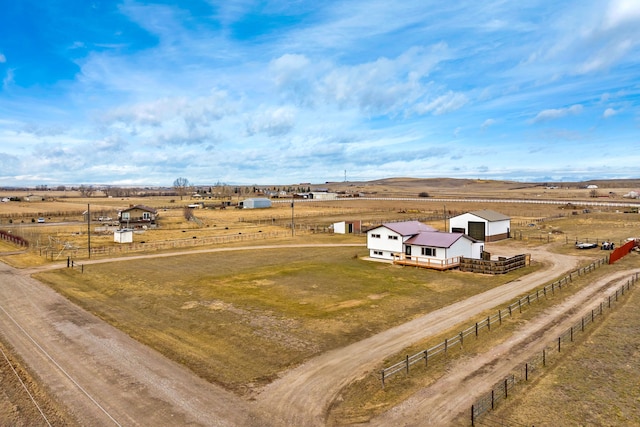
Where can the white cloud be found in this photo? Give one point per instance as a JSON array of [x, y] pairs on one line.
[[622, 12], [487, 123], [557, 113], [3, 58], [8, 79], [446, 103], [609, 112], [274, 122]]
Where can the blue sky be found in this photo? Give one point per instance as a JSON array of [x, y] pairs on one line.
[[281, 92]]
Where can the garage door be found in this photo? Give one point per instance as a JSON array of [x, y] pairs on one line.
[[476, 230]]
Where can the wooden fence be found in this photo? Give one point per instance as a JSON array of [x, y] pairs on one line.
[[426, 262], [501, 266], [11, 238], [55, 253], [523, 373], [440, 350]]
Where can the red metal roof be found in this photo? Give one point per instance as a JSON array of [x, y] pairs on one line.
[[436, 239], [408, 228]]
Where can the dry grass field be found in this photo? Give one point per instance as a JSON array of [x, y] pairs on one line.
[[241, 318], [365, 398], [596, 383]]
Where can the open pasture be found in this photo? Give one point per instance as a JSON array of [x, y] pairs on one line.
[[240, 318], [530, 224]]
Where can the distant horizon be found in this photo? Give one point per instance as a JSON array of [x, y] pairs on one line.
[[140, 92], [313, 184]]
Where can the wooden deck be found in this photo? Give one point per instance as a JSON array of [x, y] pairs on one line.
[[424, 262]]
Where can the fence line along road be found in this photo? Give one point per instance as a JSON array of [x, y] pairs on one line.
[[463, 200], [442, 348], [500, 391]]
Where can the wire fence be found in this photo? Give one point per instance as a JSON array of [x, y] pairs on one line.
[[441, 349], [58, 251], [501, 390]]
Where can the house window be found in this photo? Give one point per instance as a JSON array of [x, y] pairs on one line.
[[393, 237], [125, 216], [146, 215], [429, 251], [375, 236], [377, 253]]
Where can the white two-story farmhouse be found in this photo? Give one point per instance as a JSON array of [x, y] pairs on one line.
[[388, 239], [416, 242]]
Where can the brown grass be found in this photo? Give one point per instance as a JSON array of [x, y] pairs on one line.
[[239, 318], [595, 383], [365, 398]]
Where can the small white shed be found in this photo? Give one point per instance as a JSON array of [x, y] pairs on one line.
[[255, 203], [124, 235], [344, 227]]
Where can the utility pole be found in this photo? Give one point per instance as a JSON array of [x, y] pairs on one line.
[[293, 225], [444, 212], [89, 229]]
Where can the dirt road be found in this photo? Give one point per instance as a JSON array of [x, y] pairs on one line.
[[106, 377], [467, 380], [110, 379], [303, 395]]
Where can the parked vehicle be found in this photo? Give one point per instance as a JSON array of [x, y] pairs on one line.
[[41, 220], [580, 245]]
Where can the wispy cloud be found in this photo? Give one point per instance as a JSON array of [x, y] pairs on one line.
[[487, 123], [557, 113], [300, 92]]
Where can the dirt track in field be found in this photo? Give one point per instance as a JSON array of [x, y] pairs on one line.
[[109, 379]]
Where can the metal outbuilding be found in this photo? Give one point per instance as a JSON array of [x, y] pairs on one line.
[[255, 203], [483, 225]]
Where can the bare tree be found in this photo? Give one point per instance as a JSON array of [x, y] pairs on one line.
[[181, 185], [86, 190]]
